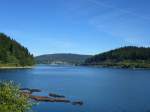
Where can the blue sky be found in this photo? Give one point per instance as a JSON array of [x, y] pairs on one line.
[[76, 26]]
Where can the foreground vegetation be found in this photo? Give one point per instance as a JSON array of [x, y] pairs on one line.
[[125, 57], [13, 54], [11, 99], [16, 99]]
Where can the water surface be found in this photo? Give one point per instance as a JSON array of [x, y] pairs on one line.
[[101, 89]]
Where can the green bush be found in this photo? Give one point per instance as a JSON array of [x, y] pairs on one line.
[[11, 99]]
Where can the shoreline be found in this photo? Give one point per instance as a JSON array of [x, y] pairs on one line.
[[98, 66], [13, 67], [119, 67]]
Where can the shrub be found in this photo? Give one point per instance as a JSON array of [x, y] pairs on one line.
[[11, 99]]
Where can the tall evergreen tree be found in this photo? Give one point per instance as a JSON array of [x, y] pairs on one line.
[[13, 53]]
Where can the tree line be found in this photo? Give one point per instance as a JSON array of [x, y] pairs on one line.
[[124, 55], [13, 53]]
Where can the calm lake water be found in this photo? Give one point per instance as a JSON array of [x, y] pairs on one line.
[[101, 89]]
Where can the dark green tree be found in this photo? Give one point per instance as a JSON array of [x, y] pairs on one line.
[[13, 53], [129, 56]]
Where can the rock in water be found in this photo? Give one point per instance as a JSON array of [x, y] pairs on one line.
[[48, 99], [77, 103], [30, 90], [56, 95]]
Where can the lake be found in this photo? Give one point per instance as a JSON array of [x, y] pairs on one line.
[[101, 89]]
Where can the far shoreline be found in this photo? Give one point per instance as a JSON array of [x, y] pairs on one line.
[[118, 67]]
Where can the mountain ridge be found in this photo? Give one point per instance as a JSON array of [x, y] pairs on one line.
[[61, 58]]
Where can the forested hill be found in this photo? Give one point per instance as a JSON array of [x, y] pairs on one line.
[[130, 56], [61, 58], [13, 54]]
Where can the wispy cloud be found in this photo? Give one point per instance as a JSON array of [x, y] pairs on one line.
[[113, 7], [125, 24], [137, 42]]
